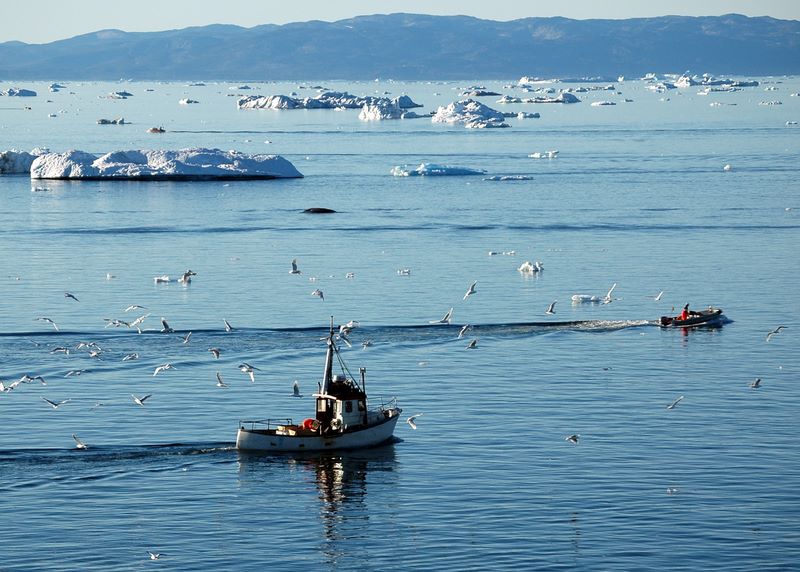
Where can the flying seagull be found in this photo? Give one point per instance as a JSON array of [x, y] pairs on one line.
[[658, 297], [49, 321], [249, 370], [55, 404], [186, 338], [472, 344], [294, 269], [141, 400], [572, 438], [130, 357], [319, 294], [162, 367], [756, 383], [154, 555], [296, 389], [165, 329], [214, 352], [220, 382], [134, 307], [445, 319], [463, 330], [470, 290], [69, 295], [228, 327], [551, 309], [674, 403], [78, 443], [769, 335], [411, 420]]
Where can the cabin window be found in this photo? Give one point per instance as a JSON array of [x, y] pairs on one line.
[[348, 406]]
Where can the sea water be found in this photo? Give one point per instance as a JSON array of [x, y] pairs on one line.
[[636, 197]]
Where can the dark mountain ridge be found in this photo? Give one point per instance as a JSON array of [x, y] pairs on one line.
[[419, 47]]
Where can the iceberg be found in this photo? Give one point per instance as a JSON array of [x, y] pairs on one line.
[[15, 162], [510, 178], [117, 121], [159, 165], [324, 100], [431, 169], [385, 110], [601, 103], [473, 114], [18, 92]]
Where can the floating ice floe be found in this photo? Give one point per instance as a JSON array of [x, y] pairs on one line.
[[388, 109], [563, 97], [526, 115], [187, 101], [529, 267], [509, 178], [117, 121], [544, 155], [431, 169], [473, 114], [18, 92], [601, 103], [155, 165], [324, 100], [15, 162]]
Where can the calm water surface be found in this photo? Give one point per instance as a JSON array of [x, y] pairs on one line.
[[636, 197]]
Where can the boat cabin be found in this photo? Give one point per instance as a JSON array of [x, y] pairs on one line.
[[342, 406]]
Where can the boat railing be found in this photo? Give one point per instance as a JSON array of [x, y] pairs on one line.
[[384, 404], [262, 424]]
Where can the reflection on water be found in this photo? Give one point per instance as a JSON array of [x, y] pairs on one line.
[[341, 482]]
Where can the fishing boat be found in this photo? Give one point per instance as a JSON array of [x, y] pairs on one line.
[[344, 418], [708, 317]]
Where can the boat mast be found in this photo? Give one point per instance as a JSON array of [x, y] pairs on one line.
[[328, 374]]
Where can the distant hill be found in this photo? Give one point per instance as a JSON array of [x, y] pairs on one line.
[[412, 46]]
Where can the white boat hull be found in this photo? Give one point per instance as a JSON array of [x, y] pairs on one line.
[[260, 440]]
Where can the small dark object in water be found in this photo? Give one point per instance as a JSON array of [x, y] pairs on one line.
[[319, 210]]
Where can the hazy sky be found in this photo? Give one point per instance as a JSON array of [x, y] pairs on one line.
[[43, 21]]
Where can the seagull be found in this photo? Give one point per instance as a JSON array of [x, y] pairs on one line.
[[130, 357], [228, 327], [78, 443], [186, 338], [60, 349], [220, 383], [445, 319], [658, 297], [296, 389], [154, 555], [134, 307], [572, 438], [141, 400], [365, 344], [249, 370], [769, 335], [294, 269], [55, 404], [68, 295], [404, 272], [162, 367], [413, 418], [74, 372], [473, 344], [674, 403], [470, 290], [607, 298], [756, 383], [318, 293], [49, 321], [137, 321], [163, 279], [214, 352], [551, 309], [165, 329], [186, 277], [463, 330]]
